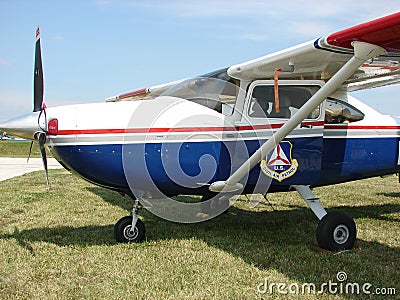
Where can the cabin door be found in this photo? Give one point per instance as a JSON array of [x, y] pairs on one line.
[[297, 159]]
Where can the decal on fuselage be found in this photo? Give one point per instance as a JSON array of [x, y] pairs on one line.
[[279, 164]]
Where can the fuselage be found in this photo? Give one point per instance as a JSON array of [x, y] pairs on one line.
[[170, 146]]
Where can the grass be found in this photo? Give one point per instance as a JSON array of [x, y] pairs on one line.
[[18, 149], [59, 244]]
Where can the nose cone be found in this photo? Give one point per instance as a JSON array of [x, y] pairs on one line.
[[24, 126]]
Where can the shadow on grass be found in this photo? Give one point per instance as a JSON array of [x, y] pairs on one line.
[[393, 195], [64, 235], [291, 227], [279, 240]]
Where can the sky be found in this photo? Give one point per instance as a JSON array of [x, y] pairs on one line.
[[94, 49]]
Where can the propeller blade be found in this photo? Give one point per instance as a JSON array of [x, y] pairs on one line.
[[30, 151], [38, 86], [38, 76], [41, 137]]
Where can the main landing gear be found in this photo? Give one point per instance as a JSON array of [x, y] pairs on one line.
[[130, 229], [336, 230], [213, 205]]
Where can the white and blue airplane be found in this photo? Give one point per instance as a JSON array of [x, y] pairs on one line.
[[281, 122]]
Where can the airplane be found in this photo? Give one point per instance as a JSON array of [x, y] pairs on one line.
[[281, 122]]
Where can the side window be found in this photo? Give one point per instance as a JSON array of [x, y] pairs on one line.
[[339, 112], [214, 90], [291, 99]]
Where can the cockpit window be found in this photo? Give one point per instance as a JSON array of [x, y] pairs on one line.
[[214, 90], [339, 112], [291, 99]]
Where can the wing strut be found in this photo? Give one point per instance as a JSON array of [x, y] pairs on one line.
[[362, 53]]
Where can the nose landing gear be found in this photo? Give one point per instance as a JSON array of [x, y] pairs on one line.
[[130, 229]]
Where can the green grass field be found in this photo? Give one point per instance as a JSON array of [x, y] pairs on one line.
[[18, 149], [60, 245]]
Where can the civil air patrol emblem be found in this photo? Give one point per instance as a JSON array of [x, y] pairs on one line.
[[279, 164]]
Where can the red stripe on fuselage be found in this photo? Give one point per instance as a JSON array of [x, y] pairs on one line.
[[178, 129], [362, 127], [220, 129]]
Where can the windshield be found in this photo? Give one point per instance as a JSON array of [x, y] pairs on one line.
[[214, 90]]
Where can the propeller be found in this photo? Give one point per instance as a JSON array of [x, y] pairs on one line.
[[31, 126], [39, 106], [38, 76]]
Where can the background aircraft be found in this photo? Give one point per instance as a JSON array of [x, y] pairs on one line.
[[277, 123]]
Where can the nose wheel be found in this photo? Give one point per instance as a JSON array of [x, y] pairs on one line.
[[130, 229], [124, 232]]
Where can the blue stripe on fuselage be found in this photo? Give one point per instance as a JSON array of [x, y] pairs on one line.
[[347, 159], [178, 168]]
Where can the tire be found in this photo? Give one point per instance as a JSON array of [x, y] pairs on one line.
[[123, 233], [336, 231], [213, 205]]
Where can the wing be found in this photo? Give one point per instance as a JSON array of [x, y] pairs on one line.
[[319, 59], [322, 58]]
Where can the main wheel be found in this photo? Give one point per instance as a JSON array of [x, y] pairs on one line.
[[336, 231], [213, 205], [124, 233]]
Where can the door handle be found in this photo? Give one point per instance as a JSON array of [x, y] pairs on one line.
[[304, 125]]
